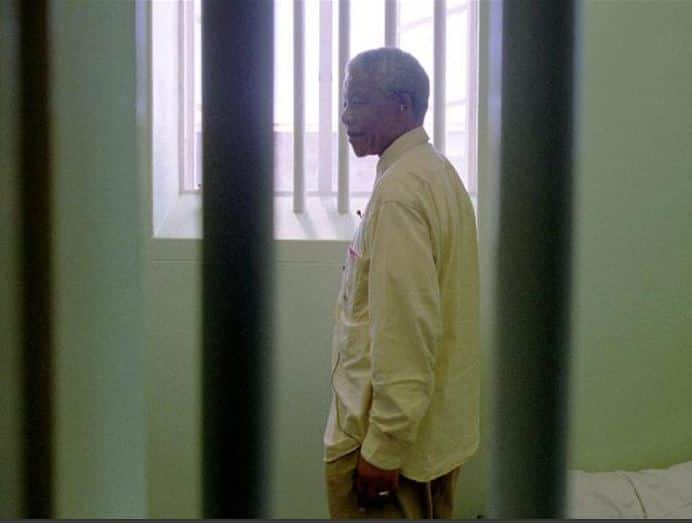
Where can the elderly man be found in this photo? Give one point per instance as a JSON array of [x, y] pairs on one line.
[[404, 415]]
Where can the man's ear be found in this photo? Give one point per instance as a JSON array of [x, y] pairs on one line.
[[406, 102]]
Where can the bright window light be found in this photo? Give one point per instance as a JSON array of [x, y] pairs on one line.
[[415, 34]]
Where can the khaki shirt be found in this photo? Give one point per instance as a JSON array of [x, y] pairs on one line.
[[405, 361]]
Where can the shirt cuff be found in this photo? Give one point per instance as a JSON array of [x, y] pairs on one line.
[[382, 450]]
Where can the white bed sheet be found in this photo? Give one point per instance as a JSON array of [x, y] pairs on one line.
[[651, 493]]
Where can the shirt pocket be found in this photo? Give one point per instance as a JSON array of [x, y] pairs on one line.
[[354, 295]]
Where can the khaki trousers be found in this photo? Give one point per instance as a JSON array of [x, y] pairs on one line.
[[413, 500]]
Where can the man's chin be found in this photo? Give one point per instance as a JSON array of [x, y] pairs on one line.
[[360, 152]]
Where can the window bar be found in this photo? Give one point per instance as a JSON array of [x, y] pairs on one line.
[[472, 98], [182, 173], [197, 174], [344, 50], [325, 111], [298, 106], [187, 99], [390, 23], [440, 79]]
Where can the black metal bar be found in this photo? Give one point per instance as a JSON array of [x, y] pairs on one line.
[[35, 201], [237, 69], [534, 251]]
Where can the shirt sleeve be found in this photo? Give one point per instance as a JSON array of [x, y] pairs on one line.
[[404, 307]]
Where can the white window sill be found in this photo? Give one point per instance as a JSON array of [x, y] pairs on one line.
[[320, 221], [183, 220], [319, 235]]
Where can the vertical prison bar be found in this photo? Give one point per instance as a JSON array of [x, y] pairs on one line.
[[390, 23], [298, 106], [36, 256], [439, 73], [325, 89], [533, 259], [472, 98], [237, 43], [343, 203]]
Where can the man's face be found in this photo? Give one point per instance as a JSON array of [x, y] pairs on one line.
[[372, 119]]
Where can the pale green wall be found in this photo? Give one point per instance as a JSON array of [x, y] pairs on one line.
[[301, 372], [632, 376], [100, 257], [307, 277], [174, 382]]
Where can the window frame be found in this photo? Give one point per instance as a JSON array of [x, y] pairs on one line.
[[176, 212], [190, 179]]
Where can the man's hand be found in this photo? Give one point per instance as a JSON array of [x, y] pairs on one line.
[[374, 485]]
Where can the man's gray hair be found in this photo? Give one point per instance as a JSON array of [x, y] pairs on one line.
[[396, 72]]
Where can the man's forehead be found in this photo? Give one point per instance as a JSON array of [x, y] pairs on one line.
[[357, 79]]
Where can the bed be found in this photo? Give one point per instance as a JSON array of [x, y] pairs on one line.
[[643, 494]]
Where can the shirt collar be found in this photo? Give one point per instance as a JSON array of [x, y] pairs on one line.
[[398, 147]]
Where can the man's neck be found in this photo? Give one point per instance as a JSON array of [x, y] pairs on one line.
[[405, 129]]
